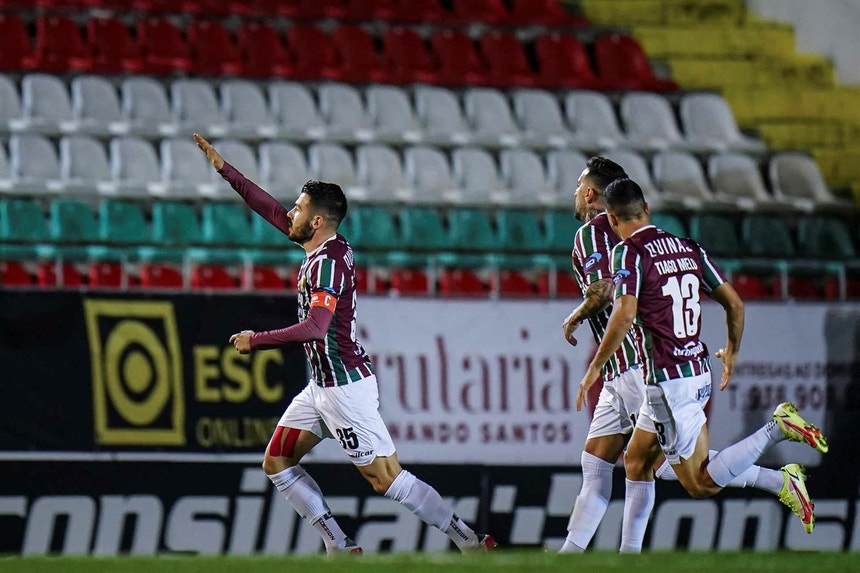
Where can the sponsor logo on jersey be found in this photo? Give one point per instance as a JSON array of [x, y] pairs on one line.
[[620, 275], [591, 261]]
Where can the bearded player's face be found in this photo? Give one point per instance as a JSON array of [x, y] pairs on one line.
[[302, 220]]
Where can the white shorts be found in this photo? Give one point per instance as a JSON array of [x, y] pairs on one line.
[[348, 413], [618, 404], [675, 411]]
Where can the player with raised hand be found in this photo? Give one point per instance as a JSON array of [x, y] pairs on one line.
[[341, 399]]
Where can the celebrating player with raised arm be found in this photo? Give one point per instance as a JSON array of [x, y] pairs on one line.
[[658, 280], [341, 399]]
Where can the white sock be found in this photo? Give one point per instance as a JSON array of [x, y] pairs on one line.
[[428, 505], [591, 503], [734, 460], [638, 503], [306, 497], [768, 480], [746, 479]]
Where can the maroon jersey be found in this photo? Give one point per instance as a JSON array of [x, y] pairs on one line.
[[592, 248], [666, 275], [327, 271]]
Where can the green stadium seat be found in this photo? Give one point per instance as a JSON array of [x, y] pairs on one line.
[[519, 231], [560, 228], [824, 237], [669, 223], [266, 235], [24, 231], [766, 236], [123, 222], [371, 227], [224, 224], [421, 229], [717, 234], [175, 228], [76, 230], [471, 230]]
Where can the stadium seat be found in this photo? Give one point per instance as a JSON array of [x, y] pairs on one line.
[[421, 229], [95, 106], [796, 178], [824, 237], [636, 168], [708, 122], [16, 52], [212, 50], [593, 121], [717, 233], [211, 277], [767, 236], [391, 116], [14, 274], [459, 61], [312, 53], [244, 110], [184, 170], [240, 155], [736, 179], [69, 276], [175, 227], [429, 171], [422, 12], [563, 62], [511, 283], [623, 64], [113, 49], [681, 179], [73, 222], [441, 116], [803, 288], [84, 165], [368, 280], [507, 64], [23, 229], [195, 107], [490, 116], [225, 224], [263, 278], [145, 107], [461, 282], [283, 170], [45, 104], [379, 171], [342, 109], [409, 282], [669, 223], [320, 9], [649, 123], [35, 167], [406, 57], [59, 46], [493, 12], [160, 276], [563, 169], [478, 176], [523, 172], [751, 287], [560, 228], [295, 111], [333, 162], [471, 230], [262, 51], [539, 114], [565, 285], [549, 13], [519, 231], [372, 228], [163, 51], [356, 56], [135, 168], [107, 274], [10, 111], [367, 10], [123, 222]]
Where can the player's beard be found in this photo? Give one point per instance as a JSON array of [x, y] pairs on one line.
[[301, 234]]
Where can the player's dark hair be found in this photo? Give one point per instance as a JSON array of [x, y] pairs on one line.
[[327, 198], [603, 171], [624, 199]]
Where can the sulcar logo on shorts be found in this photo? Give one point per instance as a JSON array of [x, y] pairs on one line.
[[592, 260], [360, 454]]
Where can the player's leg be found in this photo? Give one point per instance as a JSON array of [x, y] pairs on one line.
[[352, 412], [642, 452], [298, 431], [609, 431]]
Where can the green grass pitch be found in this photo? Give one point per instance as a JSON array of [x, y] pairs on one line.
[[497, 562]]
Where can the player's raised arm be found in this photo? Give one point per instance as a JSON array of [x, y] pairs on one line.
[[257, 199]]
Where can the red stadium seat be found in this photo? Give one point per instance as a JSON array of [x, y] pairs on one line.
[[263, 278], [852, 288], [46, 275], [60, 46], [262, 51], [211, 277], [751, 287], [623, 64], [320, 9], [13, 273], [159, 275], [163, 51], [507, 61], [213, 52], [803, 288], [422, 11], [105, 274], [565, 285], [544, 13], [563, 63], [461, 282], [163, 7], [16, 53], [356, 55], [368, 281], [269, 8], [407, 58], [367, 10], [487, 11], [513, 283], [112, 46], [410, 282], [312, 53], [459, 61]]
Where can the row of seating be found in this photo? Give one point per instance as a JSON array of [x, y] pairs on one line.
[[129, 166], [550, 13], [243, 109], [307, 52]]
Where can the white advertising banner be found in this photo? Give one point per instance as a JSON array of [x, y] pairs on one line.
[[494, 382]]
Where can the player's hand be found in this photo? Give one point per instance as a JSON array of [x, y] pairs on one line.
[[587, 382], [729, 359], [570, 324], [213, 156], [242, 341]]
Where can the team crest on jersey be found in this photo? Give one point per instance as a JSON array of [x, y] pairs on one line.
[[591, 261], [620, 275]]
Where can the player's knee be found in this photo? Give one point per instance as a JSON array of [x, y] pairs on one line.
[[637, 469], [275, 464], [700, 490]]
